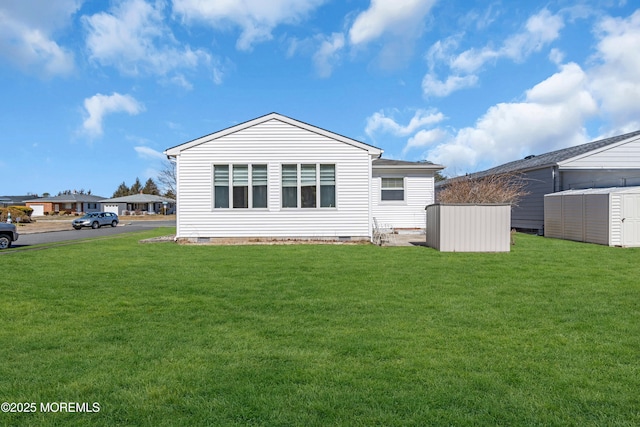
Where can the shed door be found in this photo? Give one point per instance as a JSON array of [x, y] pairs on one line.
[[631, 220]]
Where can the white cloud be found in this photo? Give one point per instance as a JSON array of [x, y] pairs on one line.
[[99, 105], [26, 35], [134, 38], [256, 18], [552, 116], [431, 86], [149, 153], [615, 79], [425, 138], [539, 31], [396, 17], [328, 54], [379, 122]]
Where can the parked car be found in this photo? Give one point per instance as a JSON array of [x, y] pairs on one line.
[[8, 234], [96, 220]]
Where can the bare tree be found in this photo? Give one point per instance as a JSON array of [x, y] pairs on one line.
[[503, 188], [167, 177]]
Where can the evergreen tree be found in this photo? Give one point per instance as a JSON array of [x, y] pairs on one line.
[[122, 191], [136, 187], [150, 187]]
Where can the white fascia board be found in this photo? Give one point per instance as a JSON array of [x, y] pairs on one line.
[[404, 168]]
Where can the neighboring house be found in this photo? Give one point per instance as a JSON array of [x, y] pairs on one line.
[[610, 162], [139, 203], [65, 204], [276, 177], [6, 201]]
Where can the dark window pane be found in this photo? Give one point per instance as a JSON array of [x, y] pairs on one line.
[[221, 197], [328, 196], [241, 197], [392, 194], [308, 194], [259, 196], [289, 197]]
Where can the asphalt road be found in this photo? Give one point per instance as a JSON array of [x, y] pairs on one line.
[[86, 233]]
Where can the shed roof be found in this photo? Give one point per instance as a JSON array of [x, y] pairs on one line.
[[176, 150], [608, 190]]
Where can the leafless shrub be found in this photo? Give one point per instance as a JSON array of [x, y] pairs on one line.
[[503, 188]]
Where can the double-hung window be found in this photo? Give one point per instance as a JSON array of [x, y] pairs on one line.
[[316, 187], [289, 186], [259, 183], [308, 186], [221, 186], [239, 186], [327, 186], [392, 189]]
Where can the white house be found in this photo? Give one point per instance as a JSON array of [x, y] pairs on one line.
[[276, 177]]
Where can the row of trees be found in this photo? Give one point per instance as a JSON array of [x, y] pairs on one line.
[[150, 187], [167, 178]]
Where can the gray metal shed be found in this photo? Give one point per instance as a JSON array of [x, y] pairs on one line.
[[469, 227], [607, 216]]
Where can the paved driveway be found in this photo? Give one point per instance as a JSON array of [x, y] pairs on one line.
[[60, 236]]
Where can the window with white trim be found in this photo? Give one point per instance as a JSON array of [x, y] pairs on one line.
[[289, 186], [239, 186], [392, 189], [308, 185], [220, 186], [327, 186], [259, 185]]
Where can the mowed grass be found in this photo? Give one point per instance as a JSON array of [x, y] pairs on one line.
[[306, 335]]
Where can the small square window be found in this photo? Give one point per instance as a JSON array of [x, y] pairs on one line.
[[392, 189]]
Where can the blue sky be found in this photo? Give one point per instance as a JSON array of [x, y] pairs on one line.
[[94, 91]]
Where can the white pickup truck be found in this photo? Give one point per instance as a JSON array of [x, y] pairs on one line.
[[8, 235]]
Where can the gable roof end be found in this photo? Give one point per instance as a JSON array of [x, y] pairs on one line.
[[176, 150]]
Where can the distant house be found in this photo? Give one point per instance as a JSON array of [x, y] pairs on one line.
[[138, 203], [65, 204], [6, 201], [610, 162], [277, 177]]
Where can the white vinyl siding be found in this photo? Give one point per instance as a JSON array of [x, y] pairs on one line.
[[273, 143]]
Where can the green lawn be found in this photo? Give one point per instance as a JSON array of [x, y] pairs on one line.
[[161, 334]]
